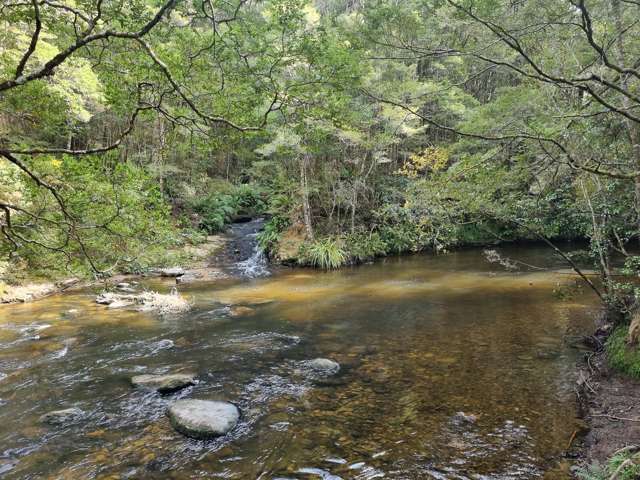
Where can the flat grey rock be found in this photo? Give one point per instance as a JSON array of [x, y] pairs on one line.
[[172, 272], [61, 417], [324, 365], [203, 419], [163, 383]]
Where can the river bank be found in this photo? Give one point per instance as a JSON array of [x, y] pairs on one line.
[[610, 405], [232, 253], [195, 264]]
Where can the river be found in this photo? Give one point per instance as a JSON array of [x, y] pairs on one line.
[[420, 339]]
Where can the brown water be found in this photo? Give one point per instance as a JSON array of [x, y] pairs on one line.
[[419, 339]]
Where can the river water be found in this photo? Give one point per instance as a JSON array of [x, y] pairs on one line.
[[419, 339]]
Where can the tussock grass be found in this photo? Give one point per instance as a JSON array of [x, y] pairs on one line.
[[326, 254]]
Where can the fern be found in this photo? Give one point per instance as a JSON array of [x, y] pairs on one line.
[[596, 471]]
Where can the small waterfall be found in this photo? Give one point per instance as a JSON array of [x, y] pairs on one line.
[[256, 265], [250, 260]]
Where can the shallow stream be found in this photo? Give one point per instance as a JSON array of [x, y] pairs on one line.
[[420, 339]]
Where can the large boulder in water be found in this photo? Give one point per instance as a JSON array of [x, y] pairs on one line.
[[163, 383], [203, 419]]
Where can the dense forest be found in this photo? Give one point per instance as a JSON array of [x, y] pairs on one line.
[[358, 129]]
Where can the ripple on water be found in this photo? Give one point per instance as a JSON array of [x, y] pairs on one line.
[[137, 349], [260, 342]]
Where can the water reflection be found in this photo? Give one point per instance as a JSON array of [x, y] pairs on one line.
[[450, 368]]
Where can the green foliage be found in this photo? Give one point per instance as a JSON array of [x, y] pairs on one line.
[[215, 211], [325, 253], [398, 229], [127, 222], [218, 209], [341, 152], [364, 246], [270, 234], [622, 356], [597, 471]]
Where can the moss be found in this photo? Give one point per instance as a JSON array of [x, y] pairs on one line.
[[620, 355]]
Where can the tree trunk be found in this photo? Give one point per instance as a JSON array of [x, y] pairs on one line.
[[304, 190]]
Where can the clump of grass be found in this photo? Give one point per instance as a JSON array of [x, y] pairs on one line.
[[623, 465], [621, 356], [326, 254]]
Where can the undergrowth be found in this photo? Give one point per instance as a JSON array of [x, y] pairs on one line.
[[620, 355], [628, 471]]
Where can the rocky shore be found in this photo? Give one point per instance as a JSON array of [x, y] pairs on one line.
[[198, 268]]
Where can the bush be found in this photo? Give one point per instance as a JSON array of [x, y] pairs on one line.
[[364, 246], [399, 231], [270, 235], [249, 199], [597, 471], [220, 208], [326, 254], [620, 355], [215, 210]]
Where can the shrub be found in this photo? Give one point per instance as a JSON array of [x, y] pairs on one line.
[[326, 254], [219, 208], [249, 199], [620, 355], [363, 246], [399, 231], [215, 210], [270, 235], [597, 471]]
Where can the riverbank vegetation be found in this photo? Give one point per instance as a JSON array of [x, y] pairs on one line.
[[622, 466]]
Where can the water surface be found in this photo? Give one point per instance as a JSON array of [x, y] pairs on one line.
[[419, 339]]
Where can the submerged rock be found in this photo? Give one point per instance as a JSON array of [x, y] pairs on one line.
[[120, 304], [163, 383], [68, 283], [324, 365], [189, 278], [125, 287], [461, 417], [107, 298], [240, 310], [203, 419], [61, 417]]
